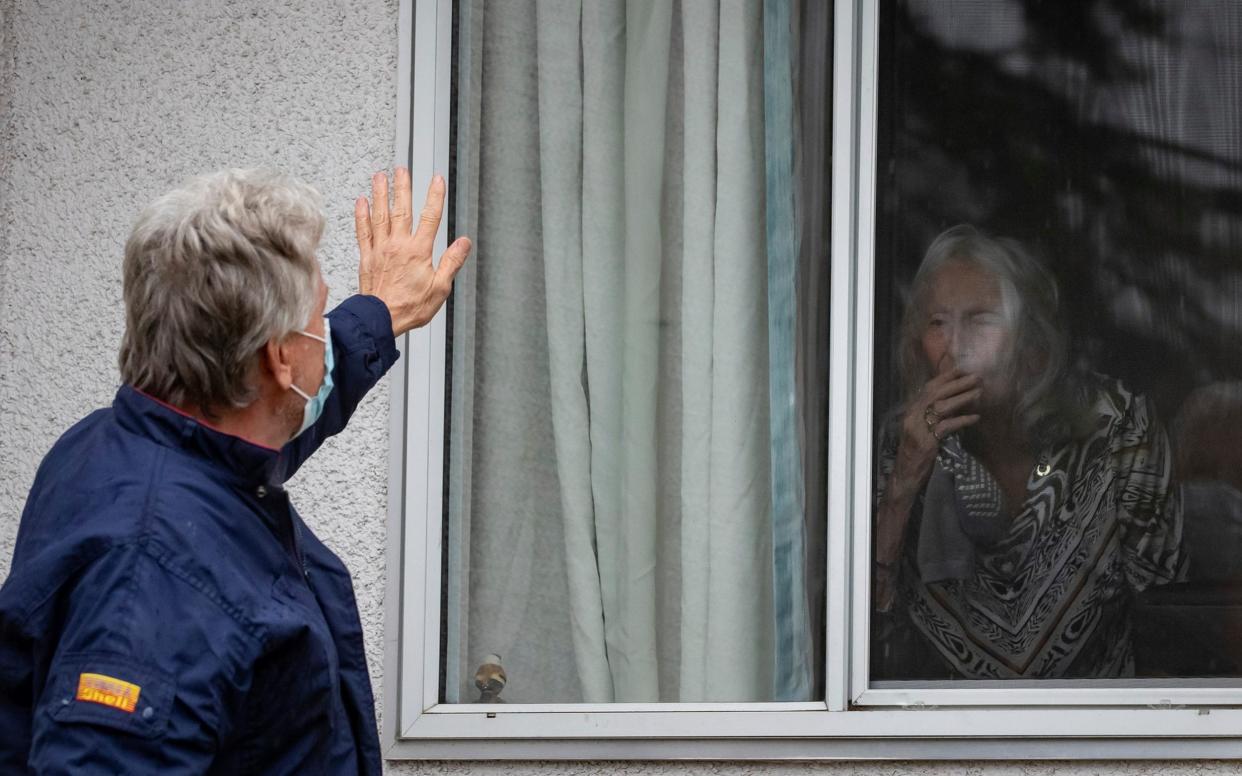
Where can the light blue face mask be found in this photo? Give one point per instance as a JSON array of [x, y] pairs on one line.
[[314, 404]]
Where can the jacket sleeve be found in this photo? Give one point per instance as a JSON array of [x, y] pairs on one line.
[[142, 676], [364, 349]]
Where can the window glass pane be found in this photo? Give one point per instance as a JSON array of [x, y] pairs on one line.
[[1057, 356], [638, 352]]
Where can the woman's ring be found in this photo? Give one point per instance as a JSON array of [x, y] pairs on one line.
[[931, 418]]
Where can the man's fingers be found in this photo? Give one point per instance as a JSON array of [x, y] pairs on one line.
[[366, 255], [429, 218], [362, 227], [451, 261], [380, 226], [402, 210]]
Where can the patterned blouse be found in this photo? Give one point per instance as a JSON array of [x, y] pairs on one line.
[[1051, 598]]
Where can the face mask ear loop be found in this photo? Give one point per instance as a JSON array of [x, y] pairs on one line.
[[293, 386], [315, 404], [315, 337]]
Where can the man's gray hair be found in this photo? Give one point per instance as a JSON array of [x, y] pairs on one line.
[[213, 270], [1050, 395]]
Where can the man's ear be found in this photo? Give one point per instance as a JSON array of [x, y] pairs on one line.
[[276, 360]]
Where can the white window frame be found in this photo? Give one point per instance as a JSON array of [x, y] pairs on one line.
[[1004, 720]]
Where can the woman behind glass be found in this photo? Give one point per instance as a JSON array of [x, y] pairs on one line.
[[1020, 506]]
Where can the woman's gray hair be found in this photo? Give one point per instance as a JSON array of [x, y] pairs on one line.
[[1050, 397], [213, 270]]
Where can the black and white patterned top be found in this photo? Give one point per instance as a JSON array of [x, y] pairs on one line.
[[1051, 598]]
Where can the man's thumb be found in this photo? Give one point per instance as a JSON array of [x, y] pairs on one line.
[[452, 260]]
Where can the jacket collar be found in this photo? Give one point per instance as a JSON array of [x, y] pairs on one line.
[[166, 425]]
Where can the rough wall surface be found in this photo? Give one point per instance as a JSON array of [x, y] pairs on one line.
[[104, 104], [112, 103]]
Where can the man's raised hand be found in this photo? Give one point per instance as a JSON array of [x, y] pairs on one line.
[[395, 263]]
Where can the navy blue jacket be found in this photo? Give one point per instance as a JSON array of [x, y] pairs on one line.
[[167, 610]]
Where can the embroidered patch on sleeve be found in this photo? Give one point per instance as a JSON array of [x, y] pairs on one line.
[[109, 691]]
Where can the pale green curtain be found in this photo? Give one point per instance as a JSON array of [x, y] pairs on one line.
[[611, 399]]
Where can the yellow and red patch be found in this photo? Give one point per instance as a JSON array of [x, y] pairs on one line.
[[109, 691]]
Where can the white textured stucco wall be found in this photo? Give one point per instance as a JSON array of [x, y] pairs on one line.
[[104, 104]]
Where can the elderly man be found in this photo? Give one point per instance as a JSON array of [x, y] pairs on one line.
[[167, 610]]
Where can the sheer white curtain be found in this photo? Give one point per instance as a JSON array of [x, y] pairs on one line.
[[610, 501]]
